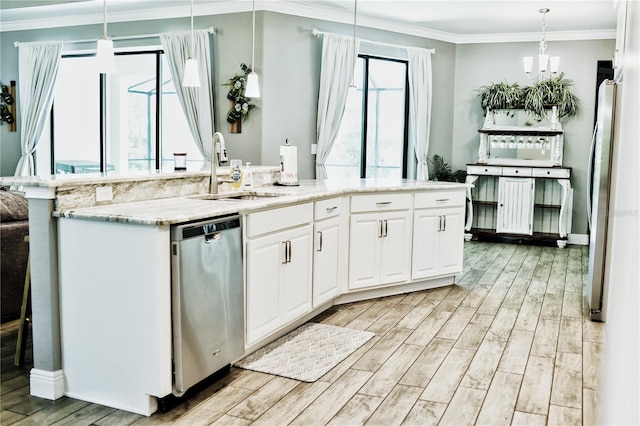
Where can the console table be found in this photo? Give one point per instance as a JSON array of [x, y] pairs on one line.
[[530, 203]]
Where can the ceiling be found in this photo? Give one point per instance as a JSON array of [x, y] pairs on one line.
[[455, 21]]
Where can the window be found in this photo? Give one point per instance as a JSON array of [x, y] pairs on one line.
[[373, 145], [116, 122]]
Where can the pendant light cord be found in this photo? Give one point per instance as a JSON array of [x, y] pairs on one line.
[[355, 55], [253, 37], [104, 16], [192, 29]]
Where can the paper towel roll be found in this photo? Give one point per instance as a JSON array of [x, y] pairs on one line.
[[288, 164]]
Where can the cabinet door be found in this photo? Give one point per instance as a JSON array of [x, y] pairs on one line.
[[395, 246], [264, 260], [515, 205], [326, 254], [295, 281], [451, 237], [425, 243], [364, 249]]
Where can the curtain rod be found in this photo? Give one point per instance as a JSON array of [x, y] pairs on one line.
[[211, 30], [318, 33]]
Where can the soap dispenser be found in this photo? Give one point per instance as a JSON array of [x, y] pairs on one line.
[[247, 177]]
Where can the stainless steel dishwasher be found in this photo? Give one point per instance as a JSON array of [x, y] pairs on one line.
[[207, 298]]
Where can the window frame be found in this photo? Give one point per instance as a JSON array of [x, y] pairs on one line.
[[365, 107], [103, 109]]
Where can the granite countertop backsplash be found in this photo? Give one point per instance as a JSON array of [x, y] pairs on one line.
[[178, 209]]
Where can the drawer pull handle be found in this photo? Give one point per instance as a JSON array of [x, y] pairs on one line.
[[319, 241], [380, 235], [442, 200], [516, 171], [383, 203], [384, 234], [330, 209]]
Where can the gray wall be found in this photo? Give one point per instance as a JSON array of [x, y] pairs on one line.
[[481, 64], [288, 63]]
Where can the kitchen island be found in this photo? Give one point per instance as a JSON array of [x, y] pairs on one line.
[[110, 249]]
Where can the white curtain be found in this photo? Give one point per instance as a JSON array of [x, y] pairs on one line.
[[336, 75], [420, 93], [196, 102], [38, 64]]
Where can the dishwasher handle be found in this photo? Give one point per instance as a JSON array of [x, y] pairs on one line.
[[209, 238]]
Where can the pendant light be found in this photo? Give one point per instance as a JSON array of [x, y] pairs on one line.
[[106, 60], [544, 61], [252, 89], [191, 77]]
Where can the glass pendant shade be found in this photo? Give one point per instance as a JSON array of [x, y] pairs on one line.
[[106, 60], [554, 64], [528, 64], [252, 90], [543, 61], [191, 77]]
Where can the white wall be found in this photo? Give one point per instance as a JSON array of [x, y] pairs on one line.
[[621, 372]]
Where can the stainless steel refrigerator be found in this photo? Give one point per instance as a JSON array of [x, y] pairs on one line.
[[599, 178]]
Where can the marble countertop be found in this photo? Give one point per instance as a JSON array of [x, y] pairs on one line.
[[166, 211]]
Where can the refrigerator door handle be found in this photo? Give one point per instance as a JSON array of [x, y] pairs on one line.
[[590, 166]]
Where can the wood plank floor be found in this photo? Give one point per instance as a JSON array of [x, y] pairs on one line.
[[510, 343]]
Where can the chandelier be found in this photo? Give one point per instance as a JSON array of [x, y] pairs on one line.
[[544, 61]]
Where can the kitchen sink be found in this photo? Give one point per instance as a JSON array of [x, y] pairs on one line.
[[236, 196]]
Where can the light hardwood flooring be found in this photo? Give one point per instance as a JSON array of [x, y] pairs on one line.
[[510, 343]]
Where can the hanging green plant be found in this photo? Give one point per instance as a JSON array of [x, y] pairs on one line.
[[553, 91], [534, 99], [496, 96], [240, 104]]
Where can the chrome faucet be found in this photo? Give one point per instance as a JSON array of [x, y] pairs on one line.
[[213, 184]]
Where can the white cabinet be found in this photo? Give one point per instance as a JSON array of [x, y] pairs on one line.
[[328, 249], [380, 240], [278, 269], [438, 228], [515, 205]]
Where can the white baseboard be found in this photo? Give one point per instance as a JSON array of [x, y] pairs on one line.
[[578, 239], [47, 384]]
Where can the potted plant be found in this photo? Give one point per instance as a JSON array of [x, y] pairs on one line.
[[533, 99], [553, 91], [442, 172], [500, 96]]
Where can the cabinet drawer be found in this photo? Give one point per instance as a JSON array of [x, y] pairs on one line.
[[425, 200], [380, 202], [484, 170], [328, 208], [516, 171], [552, 173], [277, 219]]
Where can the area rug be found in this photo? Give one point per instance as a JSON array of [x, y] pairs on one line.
[[306, 353]]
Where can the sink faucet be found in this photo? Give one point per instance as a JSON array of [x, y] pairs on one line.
[[213, 185], [215, 157]]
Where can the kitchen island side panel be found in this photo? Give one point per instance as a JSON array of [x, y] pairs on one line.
[[115, 300]]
